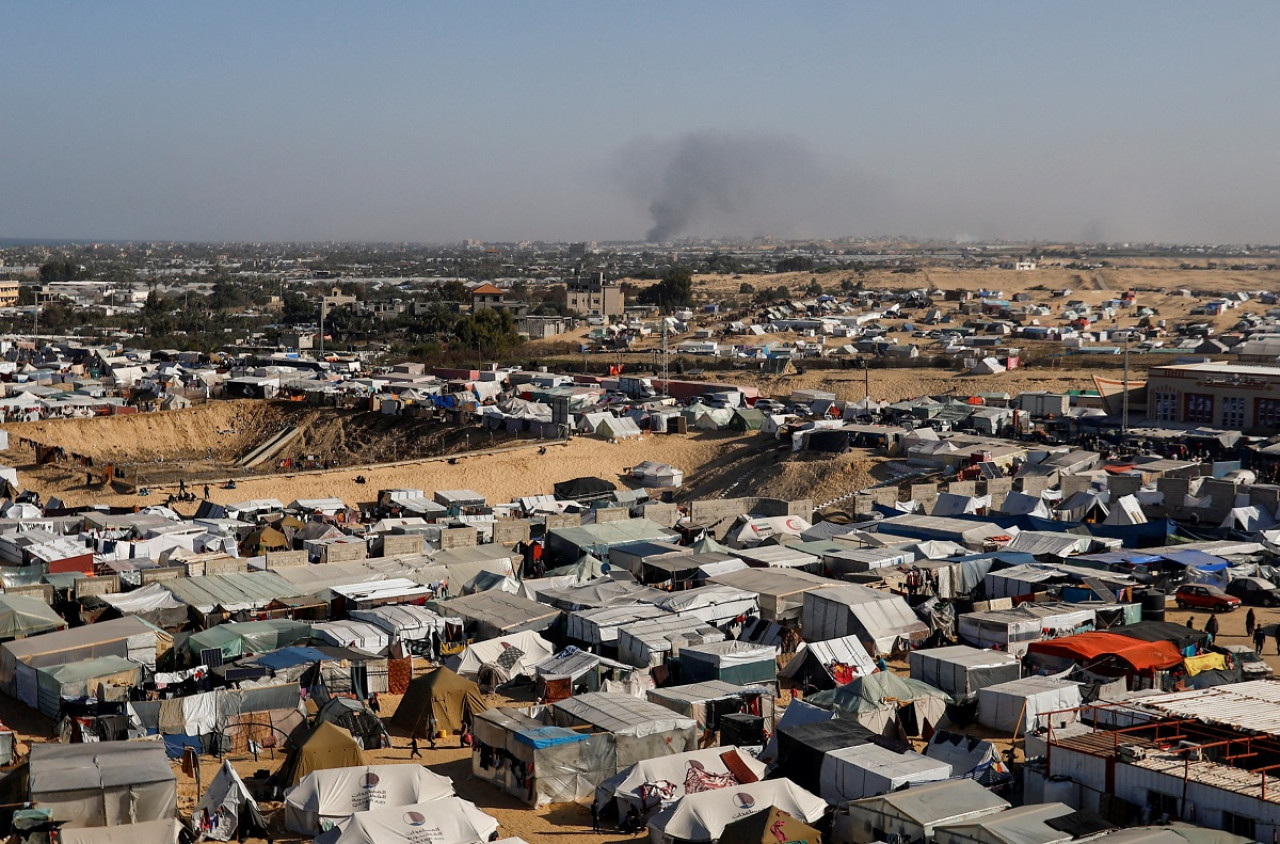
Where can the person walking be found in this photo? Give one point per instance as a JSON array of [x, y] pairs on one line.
[[414, 753], [375, 705], [1191, 622], [1211, 627], [1277, 633], [1250, 622], [1259, 639]]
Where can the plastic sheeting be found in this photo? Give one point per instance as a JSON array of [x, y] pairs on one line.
[[322, 799], [1025, 705], [657, 783], [961, 671], [224, 801], [103, 784], [879, 619], [703, 817], [866, 770], [449, 820]]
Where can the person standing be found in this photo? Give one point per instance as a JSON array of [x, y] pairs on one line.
[[1191, 622], [1250, 622], [414, 753], [595, 815], [1259, 639], [1211, 627]]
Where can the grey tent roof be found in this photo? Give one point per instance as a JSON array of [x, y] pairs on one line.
[[23, 615], [619, 714], [90, 767]]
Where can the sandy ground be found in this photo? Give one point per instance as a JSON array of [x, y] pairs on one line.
[[899, 384]]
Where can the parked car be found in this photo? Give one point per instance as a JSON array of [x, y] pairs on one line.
[[1211, 598], [1252, 666], [1255, 591]]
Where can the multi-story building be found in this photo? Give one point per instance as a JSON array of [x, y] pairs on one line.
[[591, 295], [1220, 395], [8, 293]]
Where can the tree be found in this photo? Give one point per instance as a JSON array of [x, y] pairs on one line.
[[746, 288], [491, 331], [62, 269], [675, 290], [813, 289]]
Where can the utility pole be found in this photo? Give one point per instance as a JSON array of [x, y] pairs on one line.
[[324, 301], [1124, 401]]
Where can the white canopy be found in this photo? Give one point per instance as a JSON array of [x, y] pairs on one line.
[[866, 770], [666, 779], [703, 817], [325, 797], [516, 653], [1024, 705], [225, 800], [448, 820]]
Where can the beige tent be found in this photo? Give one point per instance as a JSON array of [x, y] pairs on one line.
[[441, 695], [324, 745]]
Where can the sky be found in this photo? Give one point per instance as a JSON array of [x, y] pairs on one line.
[[501, 121]]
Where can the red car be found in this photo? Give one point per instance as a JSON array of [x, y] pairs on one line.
[[1209, 598]]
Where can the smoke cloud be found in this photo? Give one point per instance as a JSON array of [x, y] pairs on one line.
[[714, 183]]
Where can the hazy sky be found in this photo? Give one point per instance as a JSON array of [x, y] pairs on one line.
[[435, 121]]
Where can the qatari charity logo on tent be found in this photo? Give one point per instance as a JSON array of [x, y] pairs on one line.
[[743, 800], [370, 780], [415, 818]]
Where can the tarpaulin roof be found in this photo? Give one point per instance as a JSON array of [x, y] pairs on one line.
[[23, 615], [1087, 647], [580, 488], [703, 816]]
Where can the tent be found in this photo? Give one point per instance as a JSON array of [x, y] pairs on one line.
[[654, 784], [354, 716], [641, 729], [249, 637], [770, 827], [448, 820], [646, 644], [709, 702], [1015, 629], [1093, 648], [1024, 705], [163, 831], [584, 489], [827, 664], [650, 473], [968, 756], [732, 661], [319, 747], [84, 678], [152, 603], [881, 620], [361, 635], [489, 615], [321, 799], [103, 783], [442, 698], [797, 714], [229, 804], [22, 616], [884, 703], [914, 812], [703, 816], [496, 661], [852, 773], [1023, 825], [802, 744], [961, 670]]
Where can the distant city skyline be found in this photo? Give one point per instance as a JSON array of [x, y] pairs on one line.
[[568, 121]]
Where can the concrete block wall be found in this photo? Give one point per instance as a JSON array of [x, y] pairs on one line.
[[285, 559], [1034, 485], [459, 537], [1263, 496], [226, 565], [781, 507], [605, 515], [405, 543], [1071, 484], [926, 494], [100, 585], [663, 514], [710, 511], [998, 489], [158, 575], [562, 520], [1123, 485], [43, 591], [969, 488], [511, 531], [346, 552]]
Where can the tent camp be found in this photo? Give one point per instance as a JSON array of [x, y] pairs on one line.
[[447, 820], [1025, 705], [852, 773], [737, 662], [768, 827], [881, 620], [886, 703], [441, 698], [641, 729], [960, 670], [229, 806], [825, 665], [127, 637], [319, 747], [914, 812], [710, 701], [496, 661], [322, 799], [22, 616], [703, 816], [655, 784], [103, 784]]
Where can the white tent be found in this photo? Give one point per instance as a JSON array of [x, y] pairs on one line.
[[448, 820], [965, 754], [653, 474], [1022, 504], [954, 504], [961, 670], [865, 770], [845, 657], [361, 635], [104, 783], [987, 366], [323, 798], [514, 653], [659, 782], [407, 621], [1248, 519], [879, 619], [703, 817], [226, 799], [1126, 510], [1012, 630], [1024, 705], [752, 532], [915, 811]]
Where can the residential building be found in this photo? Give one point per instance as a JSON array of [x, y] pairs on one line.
[[1231, 396], [591, 295]]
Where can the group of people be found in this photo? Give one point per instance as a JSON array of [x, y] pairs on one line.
[[1252, 629]]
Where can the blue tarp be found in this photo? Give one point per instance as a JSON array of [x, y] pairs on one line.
[[289, 657], [549, 737], [1154, 532], [1195, 559], [1113, 558], [175, 744]]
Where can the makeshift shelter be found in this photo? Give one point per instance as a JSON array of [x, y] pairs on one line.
[[495, 661], [825, 665], [732, 661], [152, 603], [354, 716], [1015, 629], [572, 668], [1023, 825], [75, 680], [249, 637], [655, 784], [447, 820], [584, 489], [914, 812], [703, 816], [769, 827], [961, 671], [802, 744], [887, 704], [881, 620], [648, 643], [852, 773], [716, 605], [598, 628], [324, 798], [164, 831], [1106, 653], [318, 747], [1025, 705], [22, 616], [641, 729], [128, 637], [490, 615], [709, 702], [442, 699], [652, 474], [103, 783], [229, 806], [967, 756]]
